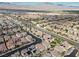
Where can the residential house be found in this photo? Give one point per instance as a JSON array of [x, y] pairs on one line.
[[16, 40], [7, 37], [19, 35], [10, 44], [66, 45], [29, 38], [2, 47], [46, 44], [24, 40], [39, 33], [55, 53], [59, 48], [47, 55], [40, 47], [1, 39], [24, 33], [25, 52], [47, 37], [16, 54]]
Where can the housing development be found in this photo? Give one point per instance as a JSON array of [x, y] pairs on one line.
[[38, 34]]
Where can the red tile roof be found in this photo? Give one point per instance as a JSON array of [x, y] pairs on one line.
[[10, 44]]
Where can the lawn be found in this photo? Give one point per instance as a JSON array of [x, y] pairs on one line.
[[56, 42]]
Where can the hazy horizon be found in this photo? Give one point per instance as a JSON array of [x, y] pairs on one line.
[[65, 4]]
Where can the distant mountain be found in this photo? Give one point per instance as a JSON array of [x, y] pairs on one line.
[[6, 4]]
